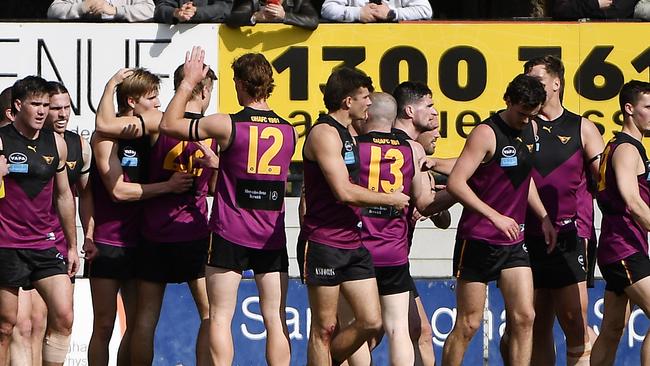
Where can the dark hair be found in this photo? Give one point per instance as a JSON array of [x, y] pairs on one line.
[[409, 92], [27, 87], [254, 71], [5, 102], [54, 87], [553, 66], [140, 83], [631, 92], [525, 90], [179, 74], [343, 83]]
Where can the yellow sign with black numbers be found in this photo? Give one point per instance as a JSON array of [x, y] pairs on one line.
[[466, 65]]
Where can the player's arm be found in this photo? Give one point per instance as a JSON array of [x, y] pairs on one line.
[[626, 162], [592, 145], [479, 147], [65, 206], [109, 124], [440, 165], [536, 205], [110, 171], [86, 203], [175, 124], [324, 145]]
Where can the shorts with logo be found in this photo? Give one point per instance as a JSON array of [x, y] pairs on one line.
[[21, 267], [478, 261], [229, 255], [566, 265], [113, 262], [323, 265], [394, 279], [625, 272], [172, 262]]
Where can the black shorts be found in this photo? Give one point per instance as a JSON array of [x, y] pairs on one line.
[[228, 255], [113, 262], [21, 267], [625, 272], [478, 261], [394, 279], [566, 265], [322, 265], [172, 262], [592, 244]]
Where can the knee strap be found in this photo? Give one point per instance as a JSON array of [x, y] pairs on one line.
[[55, 347]]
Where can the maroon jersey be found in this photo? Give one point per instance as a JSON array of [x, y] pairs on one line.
[[386, 164], [248, 208], [119, 223], [502, 183], [184, 216], [328, 221], [620, 235], [27, 216], [559, 172]]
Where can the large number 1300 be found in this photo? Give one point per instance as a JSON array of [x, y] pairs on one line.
[[395, 170], [263, 166]]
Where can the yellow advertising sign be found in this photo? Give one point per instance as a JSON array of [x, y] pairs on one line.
[[466, 65]]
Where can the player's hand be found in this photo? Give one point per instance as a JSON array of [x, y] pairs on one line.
[[398, 199], [73, 261], [4, 167], [274, 12], [209, 158], [180, 182], [550, 234], [89, 249], [367, 15], [120, 75], [442, 219], [194, 69], [507, 226]]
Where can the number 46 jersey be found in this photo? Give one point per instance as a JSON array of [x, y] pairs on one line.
[[249, 202]]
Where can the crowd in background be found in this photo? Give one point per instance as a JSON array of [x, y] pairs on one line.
[[308, 13]]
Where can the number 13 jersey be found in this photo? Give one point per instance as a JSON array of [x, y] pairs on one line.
[[249, 203]]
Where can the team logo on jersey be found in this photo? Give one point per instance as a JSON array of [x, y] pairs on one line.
[[17, 158], [519, 139], [129, 152], [509, 151], [348, 146], [33, 148], [547, 128], [48, 159], [530, 147], [564, 139], [71, 164]]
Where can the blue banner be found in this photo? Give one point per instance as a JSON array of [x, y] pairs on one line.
[[179, 323]]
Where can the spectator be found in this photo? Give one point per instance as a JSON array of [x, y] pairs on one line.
[[642, 10], [196, 11], [121, 10], [365, 11], [300, 13], [596, 9], [21, 9]]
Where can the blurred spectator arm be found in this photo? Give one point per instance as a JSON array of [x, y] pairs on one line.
[[164, 11], [342, 10], [242, 12], [66, 9], [414, 10], [302, 15], [135, 10], [212, 11]]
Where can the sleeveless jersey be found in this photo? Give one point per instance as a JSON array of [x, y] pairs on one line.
[[502, 183], [328, 221], [386, 164], [119, 223], [248, 208], [26, 212], [183, 216], [559, 170], [620, 235], [74, 164]]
